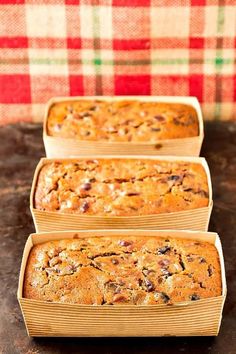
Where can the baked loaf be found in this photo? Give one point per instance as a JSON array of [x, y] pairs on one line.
[[122, 121], [123, 270], [121, 187]]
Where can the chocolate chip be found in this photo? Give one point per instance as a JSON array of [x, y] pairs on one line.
[[93, 108], [137, 125], [121, 180], [194, 297], [84, 207], [86, 186], [210, 270], [202, 260], [165, 297], [163, 250], [182, 264], [131, 194], [124, 243], [187, 189], [149, 285], [173, 178], [90, 180], [87, 133], [160, 118], [155, 129], [73, 268], [164, 262], [114, 261]]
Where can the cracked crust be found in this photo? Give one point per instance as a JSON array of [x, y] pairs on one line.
[[107, 187], [122, 121], [123, 270]]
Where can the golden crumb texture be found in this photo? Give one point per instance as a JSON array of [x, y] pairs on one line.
[[125, 120], [120, 187], [120, 270]]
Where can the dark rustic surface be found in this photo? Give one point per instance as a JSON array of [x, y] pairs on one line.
[[20, 148]]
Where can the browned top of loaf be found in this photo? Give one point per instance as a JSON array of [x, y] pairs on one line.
[[123, 270], [122, 121], [121, 187]]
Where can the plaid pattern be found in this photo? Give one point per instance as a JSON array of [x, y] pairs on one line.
[[116, 47]]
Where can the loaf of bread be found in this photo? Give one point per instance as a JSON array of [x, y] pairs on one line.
[[123, 270], [120, 187], [125, 120]]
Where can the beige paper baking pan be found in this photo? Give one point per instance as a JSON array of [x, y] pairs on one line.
[[191, 318], [61, 147], [194, 219]]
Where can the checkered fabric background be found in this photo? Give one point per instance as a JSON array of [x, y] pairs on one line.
[[116, 47]]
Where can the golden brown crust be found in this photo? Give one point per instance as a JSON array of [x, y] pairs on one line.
[[121, 187], [123, 270], [122, 120]]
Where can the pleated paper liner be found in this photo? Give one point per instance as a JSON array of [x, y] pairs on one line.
[[194, 219], [191, 318], [61, 147]]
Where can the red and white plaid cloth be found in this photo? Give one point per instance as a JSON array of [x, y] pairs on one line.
[[116, 47]]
